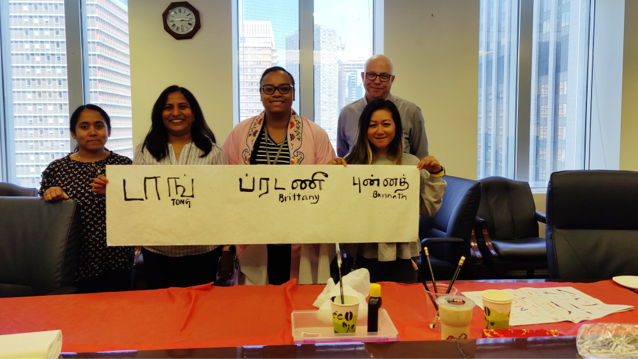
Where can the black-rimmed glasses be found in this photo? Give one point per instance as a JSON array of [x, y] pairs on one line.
[[283, 89], [383, 77]]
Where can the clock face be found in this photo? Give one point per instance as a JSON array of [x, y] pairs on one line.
[[181, 20]]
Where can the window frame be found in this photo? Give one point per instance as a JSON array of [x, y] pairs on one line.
[[519, 162], [306, 83]]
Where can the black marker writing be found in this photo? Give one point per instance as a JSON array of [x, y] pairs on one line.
[[179, 187], [376, 182], [242, 189], [125, 197], [309, 183]]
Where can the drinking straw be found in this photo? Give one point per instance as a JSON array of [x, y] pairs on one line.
[[456, 274], [343, 301], [436, 307], [427, 255]]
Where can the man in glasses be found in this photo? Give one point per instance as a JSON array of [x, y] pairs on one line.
[[377, 80]]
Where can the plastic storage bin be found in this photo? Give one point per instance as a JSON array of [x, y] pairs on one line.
[[308, 328]]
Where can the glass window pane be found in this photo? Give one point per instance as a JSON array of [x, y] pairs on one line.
[[39, 87], [558, 87], [498, 68], [343, 41], [559, 73], [268, 36], [106, 27]]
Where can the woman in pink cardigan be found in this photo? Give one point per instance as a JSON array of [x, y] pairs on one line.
[[278, 136]]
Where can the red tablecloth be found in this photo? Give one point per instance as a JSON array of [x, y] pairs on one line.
[[207, 316]]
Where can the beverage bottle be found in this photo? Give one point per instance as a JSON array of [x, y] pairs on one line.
[[374, 303]]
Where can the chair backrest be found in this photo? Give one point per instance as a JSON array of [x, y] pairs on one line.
[[455, 218], [508, 208], [9, 189], [592, 226], [39, 244]]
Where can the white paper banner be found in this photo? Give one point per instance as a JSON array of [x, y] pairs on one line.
[[189, 205]]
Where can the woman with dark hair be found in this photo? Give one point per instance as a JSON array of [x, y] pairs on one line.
[[380, 142], [99, 268], [278, 136], [179, 135]]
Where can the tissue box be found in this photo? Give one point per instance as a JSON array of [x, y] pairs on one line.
[[308, 328]]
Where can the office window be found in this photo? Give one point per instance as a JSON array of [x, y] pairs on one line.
[[106, 26], [343, 41], [24, 84], [557, 117], [266, 38], [268, 35], [34, 69]]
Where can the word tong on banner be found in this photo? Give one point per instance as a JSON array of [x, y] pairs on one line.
[[179, 190]]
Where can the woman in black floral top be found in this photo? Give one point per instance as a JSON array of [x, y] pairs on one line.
[[99, 268]]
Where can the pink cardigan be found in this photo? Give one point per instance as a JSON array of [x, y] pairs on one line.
[[309, 144]]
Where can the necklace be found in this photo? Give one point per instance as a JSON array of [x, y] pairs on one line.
[[278, 152], [97, 170], [268, 138]]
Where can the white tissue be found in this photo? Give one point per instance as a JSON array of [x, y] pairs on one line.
[[31, 345], [356, 283]]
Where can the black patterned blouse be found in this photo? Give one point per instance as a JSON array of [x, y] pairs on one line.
[[75, 178]]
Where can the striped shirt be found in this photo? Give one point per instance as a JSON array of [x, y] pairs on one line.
[[190, 155], [267, 148]]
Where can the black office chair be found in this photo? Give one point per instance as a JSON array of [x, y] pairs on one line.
[[592, 225], [509, 227], [9, 189], [449, 234], [39, 246]]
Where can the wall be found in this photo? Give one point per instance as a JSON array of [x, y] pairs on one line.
[[202, 64], [434, 47], [629, 125]]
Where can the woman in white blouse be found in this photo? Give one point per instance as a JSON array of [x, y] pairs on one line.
[[179, 135]]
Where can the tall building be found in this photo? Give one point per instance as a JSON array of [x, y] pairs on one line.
[[350, 82], [559, 53], [326, 75], [282, 14], [557, 94], [39, 79], [109, 69], [257, 52]]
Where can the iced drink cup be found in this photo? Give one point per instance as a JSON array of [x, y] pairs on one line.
[[455, 314]]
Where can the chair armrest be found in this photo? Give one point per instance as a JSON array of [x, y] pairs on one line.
[[540, 217], [474, 246], [64, 290], [432, 240], [482, 226]]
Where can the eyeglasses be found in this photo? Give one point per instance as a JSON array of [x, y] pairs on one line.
[[383, 77], [283, 89]]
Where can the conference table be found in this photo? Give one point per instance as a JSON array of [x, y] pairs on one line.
[[255, 321]]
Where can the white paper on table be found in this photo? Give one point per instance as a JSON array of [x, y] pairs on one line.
[[197, 205], [31, 345], [553, 305]]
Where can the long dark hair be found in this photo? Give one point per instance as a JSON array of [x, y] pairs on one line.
[[75, 117], [156, 141], [362, 152]]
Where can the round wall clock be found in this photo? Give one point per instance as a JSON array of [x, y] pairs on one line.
[[181, 20]]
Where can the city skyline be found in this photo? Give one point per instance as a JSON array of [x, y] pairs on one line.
[[333, 88], [39, 80]]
